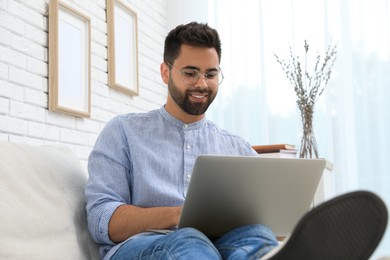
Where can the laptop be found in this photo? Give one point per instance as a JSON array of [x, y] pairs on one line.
[[227, 192]]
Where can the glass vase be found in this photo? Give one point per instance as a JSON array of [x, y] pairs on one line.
[[308, 148]]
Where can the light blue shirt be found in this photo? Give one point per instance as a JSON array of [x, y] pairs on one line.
[[146, 160]]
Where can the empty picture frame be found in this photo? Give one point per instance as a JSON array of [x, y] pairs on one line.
[[69, 60], [122, 47]]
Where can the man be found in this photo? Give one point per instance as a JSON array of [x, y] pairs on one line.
[[141, 165]]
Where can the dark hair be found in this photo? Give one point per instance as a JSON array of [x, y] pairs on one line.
[[193, 34]]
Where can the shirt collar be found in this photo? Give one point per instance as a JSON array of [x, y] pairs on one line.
[[180, 123]]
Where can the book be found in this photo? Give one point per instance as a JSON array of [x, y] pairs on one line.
[[273, 148], [283, 153]]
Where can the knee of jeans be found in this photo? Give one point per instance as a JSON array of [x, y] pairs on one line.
[[190, 233], [192, 240], [260, 231], [191, 236]]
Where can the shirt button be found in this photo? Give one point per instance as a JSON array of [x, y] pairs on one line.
[[188, 176], [185, 126], [188, 147]]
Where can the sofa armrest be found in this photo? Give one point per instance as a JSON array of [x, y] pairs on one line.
[[42, 204]]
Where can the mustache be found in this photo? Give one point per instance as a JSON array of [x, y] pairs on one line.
[[198, 90]]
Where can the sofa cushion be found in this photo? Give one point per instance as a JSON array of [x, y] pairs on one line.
[[42, 204]]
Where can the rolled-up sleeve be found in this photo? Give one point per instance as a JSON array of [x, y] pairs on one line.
[[107, 187]]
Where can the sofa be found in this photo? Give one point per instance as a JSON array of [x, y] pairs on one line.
[[42, 205]]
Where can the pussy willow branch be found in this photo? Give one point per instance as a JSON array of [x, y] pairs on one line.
[[308, 88]]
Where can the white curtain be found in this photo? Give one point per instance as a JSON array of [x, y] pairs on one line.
[[352, 117]]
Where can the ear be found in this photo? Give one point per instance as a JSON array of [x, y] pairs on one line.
[[164, 70]]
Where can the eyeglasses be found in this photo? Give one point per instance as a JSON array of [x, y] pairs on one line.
[[190, 76]]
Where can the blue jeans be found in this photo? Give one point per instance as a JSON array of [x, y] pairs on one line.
[[247, 242]]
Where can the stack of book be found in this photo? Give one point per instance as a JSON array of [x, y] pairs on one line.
[[276, 150]]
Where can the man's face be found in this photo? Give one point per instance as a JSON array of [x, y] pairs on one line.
[[194, 101], [193, 98]]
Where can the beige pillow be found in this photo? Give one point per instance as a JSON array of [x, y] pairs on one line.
[[42, 204]]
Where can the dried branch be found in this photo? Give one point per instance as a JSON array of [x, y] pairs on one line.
[[311, 87], [308, 90]]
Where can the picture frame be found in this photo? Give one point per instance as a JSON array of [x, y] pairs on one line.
[[122, 45], [69, 60]]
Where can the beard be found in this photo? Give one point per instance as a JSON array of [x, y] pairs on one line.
[[188, 106]]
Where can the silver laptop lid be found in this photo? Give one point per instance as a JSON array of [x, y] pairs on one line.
[[226, 192]]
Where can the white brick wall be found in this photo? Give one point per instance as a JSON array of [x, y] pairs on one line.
[[24, 115]]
